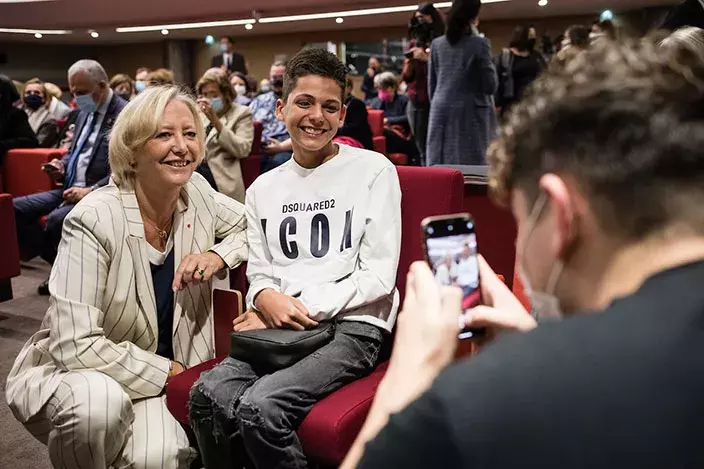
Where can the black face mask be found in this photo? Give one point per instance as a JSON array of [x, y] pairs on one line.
[[124, 95], [33, 101], [531, 44], [277, 82]]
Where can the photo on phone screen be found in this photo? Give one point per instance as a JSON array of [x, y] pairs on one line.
[[451, 247]]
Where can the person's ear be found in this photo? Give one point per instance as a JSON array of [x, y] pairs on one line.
[[343, 114], [561, 208], [280, 109]]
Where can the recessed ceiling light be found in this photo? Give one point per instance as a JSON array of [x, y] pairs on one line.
[[164, 32], [94, 34], [209, 39], [38, 35], [607, 15], [542, 3], [248, 26], [339, 20]]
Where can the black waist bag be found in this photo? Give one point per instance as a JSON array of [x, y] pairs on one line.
[[275, 349]]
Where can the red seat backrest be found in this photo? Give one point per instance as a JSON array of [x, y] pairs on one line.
[[22, 170], [257, 142], [375, 117], [251, 166], [425, 192]]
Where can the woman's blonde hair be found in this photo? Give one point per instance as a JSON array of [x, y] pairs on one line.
[[220, 80], [138, 122]]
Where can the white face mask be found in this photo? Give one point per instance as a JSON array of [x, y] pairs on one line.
[[241, 90], [545, 304]]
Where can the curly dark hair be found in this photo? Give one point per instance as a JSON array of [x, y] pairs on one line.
[[314, 62], [625, 121]]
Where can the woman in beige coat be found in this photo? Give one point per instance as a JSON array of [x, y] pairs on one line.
[[229, 134]]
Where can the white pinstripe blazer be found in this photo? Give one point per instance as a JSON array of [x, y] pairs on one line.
[[102, 313]]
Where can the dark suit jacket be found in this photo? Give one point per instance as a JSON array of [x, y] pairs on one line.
[[98, 172], [237, 64], [15, 131], [618, 388]]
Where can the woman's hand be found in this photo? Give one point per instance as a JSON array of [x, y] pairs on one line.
[[249, 321], [501, 310], [175, 368], [420, 54], [426, 337], [281, 311], [207, 109], [197, 268]]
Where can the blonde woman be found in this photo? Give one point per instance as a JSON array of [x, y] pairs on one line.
[[130, 297], [229, 134]]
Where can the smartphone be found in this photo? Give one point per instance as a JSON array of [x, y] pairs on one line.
[[450, 245]]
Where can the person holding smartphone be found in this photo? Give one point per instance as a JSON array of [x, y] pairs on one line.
[[611, 239]]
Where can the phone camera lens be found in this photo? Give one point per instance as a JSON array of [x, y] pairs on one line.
[[450, 227], [430, 230], [469, 226]]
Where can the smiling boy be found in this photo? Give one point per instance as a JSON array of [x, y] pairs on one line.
[[324, 236]]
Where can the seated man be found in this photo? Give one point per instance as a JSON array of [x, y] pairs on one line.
[[83, 168], [396, 128], [274, 131], [323, 246]]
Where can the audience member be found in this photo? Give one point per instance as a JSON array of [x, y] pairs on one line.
[[240, 85], [368, 85], [602, 167], [603, 29], [84, 167], [426, 24], [123, 86], [229, 132], [42, 122], [141, 78], [686, 41], [90, 383], [517, 67], [160, 77], [15, 131], [237, 404], [264, 86], [462, 84], [274, 131], [356, 124], [19, 87], [228, 59], [576, 36], [395, 107], [57, 107]]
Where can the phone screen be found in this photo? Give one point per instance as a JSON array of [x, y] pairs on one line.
[[451, 247]]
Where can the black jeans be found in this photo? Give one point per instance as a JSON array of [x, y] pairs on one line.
[[418, 116], [245, 417]]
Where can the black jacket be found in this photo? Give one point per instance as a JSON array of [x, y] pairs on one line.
[[98, 172], [15, 131], [620, 388], [357, 123], [237, 65]]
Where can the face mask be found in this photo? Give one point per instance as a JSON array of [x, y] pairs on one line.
[[86, 103], [223, 48], [140, 86], [33, 101], [277, 82], [241, 90], [217, 105], [266, 88], [545, 304], [124, 95], [386, 95]]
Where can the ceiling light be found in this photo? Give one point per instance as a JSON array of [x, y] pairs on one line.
[[248, 26], [209, 39], [339, 20], [208, 24], [365, 12], [38, 35], [164, 32], [34, 31], [542, 3], [607, 15], [94, 34]]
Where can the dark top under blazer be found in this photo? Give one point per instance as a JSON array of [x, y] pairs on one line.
[[618, 388]]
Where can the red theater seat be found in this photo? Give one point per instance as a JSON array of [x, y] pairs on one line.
[[332, 425], [251, 166], [22, 170], [10, 259]]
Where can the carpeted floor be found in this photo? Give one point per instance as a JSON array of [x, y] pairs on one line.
[[19, 319]]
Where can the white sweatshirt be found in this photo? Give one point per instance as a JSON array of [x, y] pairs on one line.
[[330, 236]]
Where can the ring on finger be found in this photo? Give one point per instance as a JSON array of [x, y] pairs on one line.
[[201, 272]]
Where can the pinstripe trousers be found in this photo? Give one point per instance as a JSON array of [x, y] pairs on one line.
[[89, 422]]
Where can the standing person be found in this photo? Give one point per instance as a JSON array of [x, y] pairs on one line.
[[15, 131], [228, 59], [229, 133], [462, 84], [84, 168], [42, 121], [131, 301], [368, 85], [517, 67], [425, 25], [336, 261]]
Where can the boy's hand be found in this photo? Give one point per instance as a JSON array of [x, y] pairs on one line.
[[249, 321], [281, 311]]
